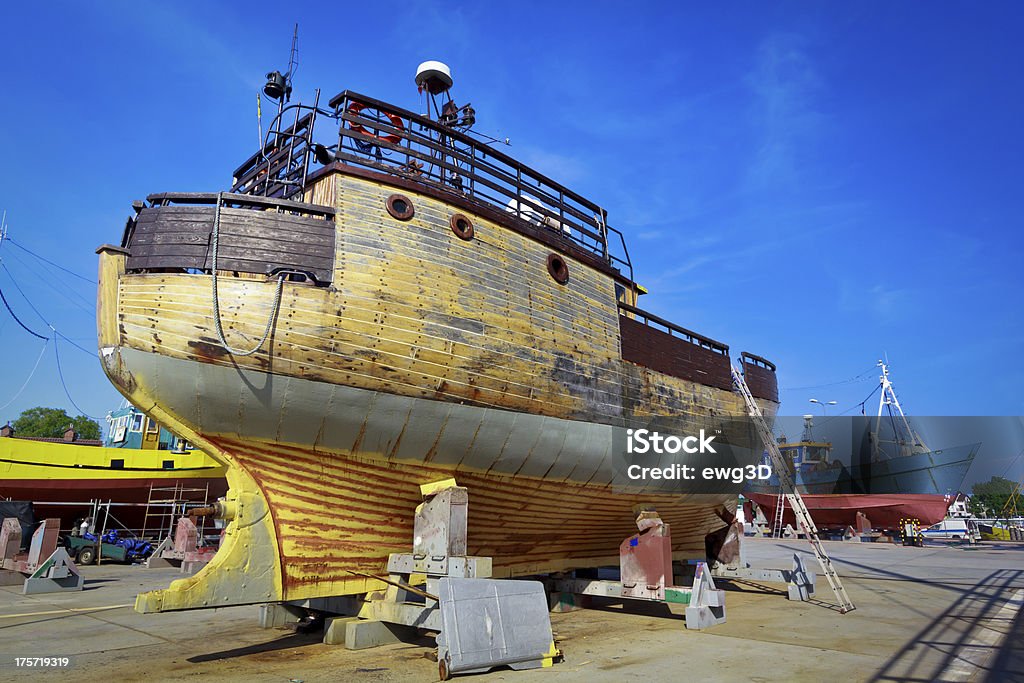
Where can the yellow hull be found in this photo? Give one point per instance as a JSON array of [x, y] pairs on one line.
[[25, 460]]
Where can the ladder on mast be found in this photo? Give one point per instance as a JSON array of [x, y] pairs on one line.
[[796, 503]]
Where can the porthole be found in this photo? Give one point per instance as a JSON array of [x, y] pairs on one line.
[[400, 207], [558, 269], [461, 226]]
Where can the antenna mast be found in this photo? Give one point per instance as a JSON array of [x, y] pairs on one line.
[[293, 58], [279, 87]]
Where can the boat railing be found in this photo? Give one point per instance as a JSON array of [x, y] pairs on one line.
[[665, 347], [227, 200], [280, 167], [763, 363], [379, 136], [649, 319]]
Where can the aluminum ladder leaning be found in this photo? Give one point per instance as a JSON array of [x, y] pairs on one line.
[[803, 517], [780, 509]]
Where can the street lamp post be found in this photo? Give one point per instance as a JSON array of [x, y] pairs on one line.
[[824, 405]]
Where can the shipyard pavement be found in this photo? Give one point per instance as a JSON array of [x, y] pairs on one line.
[[934, 613]]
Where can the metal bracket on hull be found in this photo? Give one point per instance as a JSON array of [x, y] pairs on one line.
[[246, 569], [645, 573], [470, 612]]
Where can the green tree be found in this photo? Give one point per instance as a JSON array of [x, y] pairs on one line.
[[988, 498], [53, 422]]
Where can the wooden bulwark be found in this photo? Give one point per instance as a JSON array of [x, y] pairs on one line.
[[759, 374], [179, 237], [683, 354]]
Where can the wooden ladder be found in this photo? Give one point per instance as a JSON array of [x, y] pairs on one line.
[[803, 516]]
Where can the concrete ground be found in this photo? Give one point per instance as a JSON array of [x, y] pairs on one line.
[[939, 613]]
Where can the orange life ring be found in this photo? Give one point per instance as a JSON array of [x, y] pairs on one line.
[[396, 121]]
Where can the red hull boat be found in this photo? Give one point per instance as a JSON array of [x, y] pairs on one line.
[[840, 510]]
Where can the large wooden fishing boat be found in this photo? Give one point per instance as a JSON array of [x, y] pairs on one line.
[[401, 306]]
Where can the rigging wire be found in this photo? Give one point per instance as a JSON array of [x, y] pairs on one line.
[[856, 378], [46, 340], [828, 418], [275, 308], [60, 373], [55, 265], [14, 281], [69, 293], [80, 348], [56, 332], [14, 398], [861, 404], [16, 318]]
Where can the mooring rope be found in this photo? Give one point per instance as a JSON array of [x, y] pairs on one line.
[[216, 299]]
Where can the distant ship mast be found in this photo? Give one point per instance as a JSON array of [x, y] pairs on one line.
[[886, 402]]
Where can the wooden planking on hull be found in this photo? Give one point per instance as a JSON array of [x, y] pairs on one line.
[[336, 513]]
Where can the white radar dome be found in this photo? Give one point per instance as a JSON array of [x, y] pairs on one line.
[[436, 77]]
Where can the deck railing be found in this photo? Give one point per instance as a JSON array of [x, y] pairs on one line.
[[385, 138], [382, 137]]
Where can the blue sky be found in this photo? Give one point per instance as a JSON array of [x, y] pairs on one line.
[[819, 183]]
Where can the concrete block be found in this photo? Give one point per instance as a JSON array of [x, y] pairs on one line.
[[801, 582], [334, 629], [363, 633], [191, 567], [707, 602], [155, 562], [274, 615], [343, 605], [11, 578], [34, 586]]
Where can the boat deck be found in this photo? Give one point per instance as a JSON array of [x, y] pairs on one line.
[[934, 613]]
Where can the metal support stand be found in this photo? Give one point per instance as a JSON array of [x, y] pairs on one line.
[[49, 569], [645, 573], [480, 622], [725, 552], [800, 582]]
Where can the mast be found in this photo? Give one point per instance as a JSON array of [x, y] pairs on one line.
[[886, 401]]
